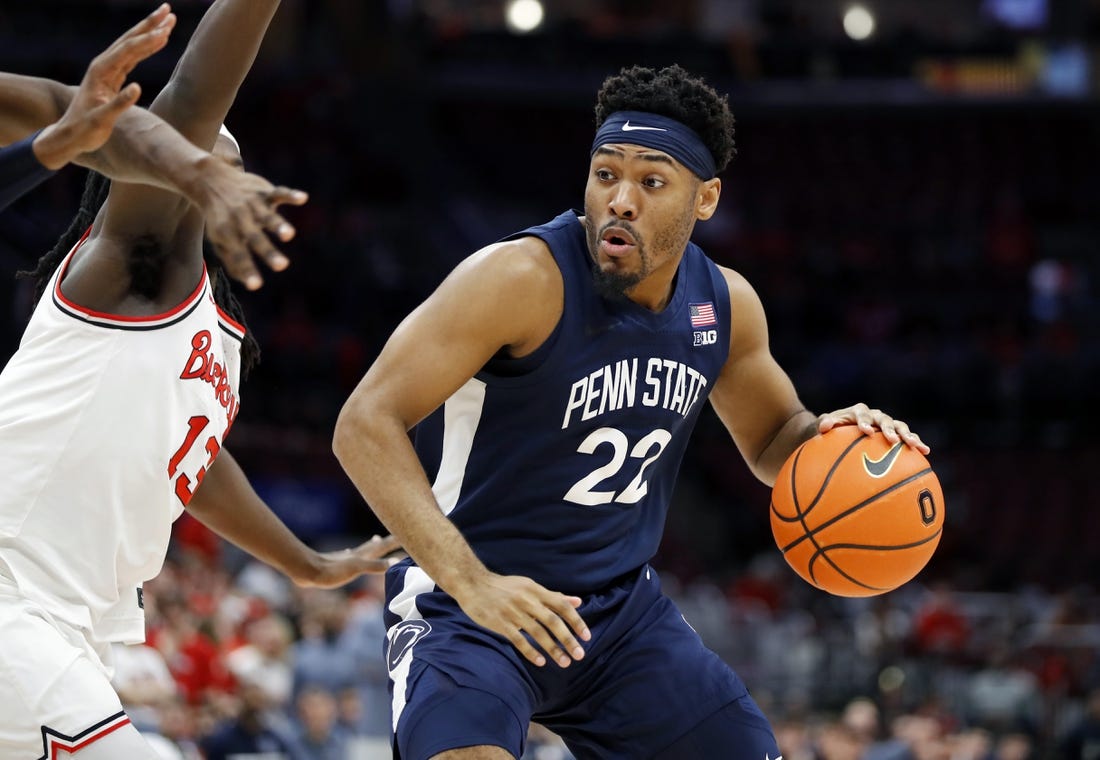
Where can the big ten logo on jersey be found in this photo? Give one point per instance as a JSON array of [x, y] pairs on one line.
[[705, 337], [203, 365]]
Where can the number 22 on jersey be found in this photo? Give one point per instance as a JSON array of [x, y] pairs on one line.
[[583, 491]]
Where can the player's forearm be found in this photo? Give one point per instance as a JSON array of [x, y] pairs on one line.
[[27, 104], [378, 457], [208, 75], [797, 429], [226, 503], [142, 148]]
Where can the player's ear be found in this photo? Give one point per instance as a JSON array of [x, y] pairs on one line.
[[706, 198]]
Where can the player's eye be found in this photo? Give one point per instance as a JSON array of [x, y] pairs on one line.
[[653, 182], [604, 175]]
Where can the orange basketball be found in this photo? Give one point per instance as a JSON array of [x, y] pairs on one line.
[[855, 515]]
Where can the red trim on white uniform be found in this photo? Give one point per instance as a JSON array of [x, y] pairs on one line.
[[55, 743], [119, 320]]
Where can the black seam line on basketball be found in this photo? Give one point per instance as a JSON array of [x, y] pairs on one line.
[[794, 492], [835, 566], [824, 484], [802, 517], [880, 547], [822, 552], [810, 533]]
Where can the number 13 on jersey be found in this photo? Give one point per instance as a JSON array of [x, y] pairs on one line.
[[184, 489]]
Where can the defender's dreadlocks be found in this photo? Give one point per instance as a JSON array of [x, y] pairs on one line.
[[146, 260], [674, 93]]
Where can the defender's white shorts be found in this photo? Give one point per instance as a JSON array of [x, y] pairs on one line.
[[55, 690]]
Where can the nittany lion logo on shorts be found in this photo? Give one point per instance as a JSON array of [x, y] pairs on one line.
[[404, 636]]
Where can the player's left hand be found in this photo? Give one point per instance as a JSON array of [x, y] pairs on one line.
[[241, 212], [868, 421], [337, 568], [101, 97]]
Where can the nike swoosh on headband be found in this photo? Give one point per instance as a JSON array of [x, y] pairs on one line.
[[628, 127]]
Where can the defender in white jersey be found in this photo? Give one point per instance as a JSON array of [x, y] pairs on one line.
[[154, 397], [113, 416]]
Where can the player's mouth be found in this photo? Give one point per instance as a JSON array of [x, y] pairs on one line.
[[617, 242]]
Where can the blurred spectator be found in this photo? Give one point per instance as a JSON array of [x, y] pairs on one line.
[[316, 734], [1003, 695], [250, 732], [1082, 741], [143, 683], [265, 659], [193, 658]]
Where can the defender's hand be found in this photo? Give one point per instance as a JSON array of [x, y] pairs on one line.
[[101, 98], [337, 568], [870, 420], [513, 606], [240, 210]]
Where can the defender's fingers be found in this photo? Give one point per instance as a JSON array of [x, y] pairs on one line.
[[273, 222], [386, 544], [147, 24], [237, 261], [378, 547], [141, 41], [260, 245], [134, 51], [126, 97], [374, 566], [280, 195]]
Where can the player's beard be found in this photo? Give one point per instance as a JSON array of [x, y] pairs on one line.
[[612, 284]]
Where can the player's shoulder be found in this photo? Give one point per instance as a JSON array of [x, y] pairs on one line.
[[522, 264], [742, 293]]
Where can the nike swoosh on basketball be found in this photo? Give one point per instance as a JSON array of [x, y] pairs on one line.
[[877, 468], [628, 127]]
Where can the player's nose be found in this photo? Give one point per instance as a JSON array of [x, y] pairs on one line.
[[624, 201]]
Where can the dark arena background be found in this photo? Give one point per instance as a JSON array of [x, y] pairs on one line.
[[916, 198]]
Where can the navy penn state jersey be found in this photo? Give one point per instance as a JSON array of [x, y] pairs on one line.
[[560, 466]]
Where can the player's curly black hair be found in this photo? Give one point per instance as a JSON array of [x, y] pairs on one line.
[[145, 266], [675, 93]]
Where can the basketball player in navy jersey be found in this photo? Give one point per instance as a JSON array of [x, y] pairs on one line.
[[553, 380]]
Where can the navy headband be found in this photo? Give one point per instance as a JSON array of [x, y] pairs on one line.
[[652, 130]]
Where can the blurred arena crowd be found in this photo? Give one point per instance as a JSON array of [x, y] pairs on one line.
[[935, 256]]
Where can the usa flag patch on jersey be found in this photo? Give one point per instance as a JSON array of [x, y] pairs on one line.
[[702, 314]]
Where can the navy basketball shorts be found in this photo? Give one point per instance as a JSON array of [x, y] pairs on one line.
[[646, 688]]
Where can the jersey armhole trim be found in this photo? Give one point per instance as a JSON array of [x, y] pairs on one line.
[[118, 321]]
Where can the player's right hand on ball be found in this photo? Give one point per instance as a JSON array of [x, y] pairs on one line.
[[517, 608], [240, 211]]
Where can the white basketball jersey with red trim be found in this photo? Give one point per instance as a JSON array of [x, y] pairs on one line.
[[107, 425]]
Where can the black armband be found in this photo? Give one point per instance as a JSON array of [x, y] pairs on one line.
[[20, 170]]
